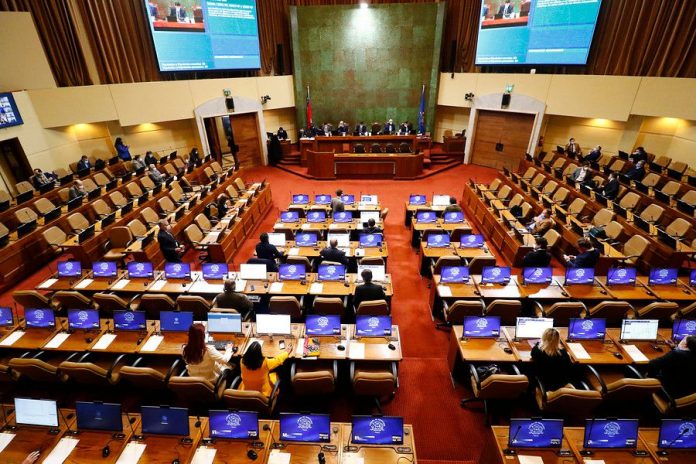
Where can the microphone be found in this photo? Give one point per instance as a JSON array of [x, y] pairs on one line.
[[664, 452], [67, 424], [108, 326], [7, 425], [509, 451], [130, 424], [588, 433]]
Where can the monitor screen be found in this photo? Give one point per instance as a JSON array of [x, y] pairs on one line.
[[587, 329], [36, 412], [69, 269], [611, 433], [639, 329], [441, 200], [139, 270], [224, 322], [300, 199], [177, 270], [452, 217], [160, 420], [537, 275], [323, 324], [305, 427], [83, 319], [9, 114], [373, 326], [367, 215], [331, 272], [204, 36], [322, 199], [663, 276], [481, 326], [348, 199], [532, 327], [252, 271], [579, 276], [417, 199], [454, 274], [289, 216], [215, 271], [129, 320], [276, 239], [535, 433], [681, 328], [426, 216], [536, 32], [175, 321], [6, 316], [39, 318], [370, 240], [471, 241], [292, 272], [438, 240], [306, 239], [235, 425], [273, 324], [105, 269], [316, 216], [378, 272], [677, 433], [342, 216], [495, 275], [621, 276], [380, 430], [98, 416], [692, 278], [342, 239], [371, 200]]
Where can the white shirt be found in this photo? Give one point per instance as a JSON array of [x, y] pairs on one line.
[[212, 364]]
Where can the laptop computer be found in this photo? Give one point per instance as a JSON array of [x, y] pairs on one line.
[[453, 217], [481, 327], [587, 329], [300, 199], [316, 216], [531, 328], [51, 215], [537, 275], [291, 272], [83, 319], [273, 324], [441, 200], [370, 240], [621, 276], [348, 199], [177, 271], [224, 322], [68, 269], [454, 274], [289, 216], [331, 272], [25, 228], [377, 430], [6, 316], [140, 270], [495, 275], [39, 318], [36, 412], [342, 239], [215, 271], [676, 434], [164, 420], [276, 239], [175, 321], [252, 272], [306, 428], [417, 199], [663, 276], [233, 425], [323, 324], [322, 199], [610, 434], [306, 239], [342, 216], [471, 241], [98, 416], [365, 216], [373, 326], [378, 272], [639, 330], [85, 234], [426, 217], [438, 240], [130, 320], [682, 328], [369, 200], [535, 433]]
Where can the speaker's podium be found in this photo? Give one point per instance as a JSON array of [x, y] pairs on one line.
[[320, 164]]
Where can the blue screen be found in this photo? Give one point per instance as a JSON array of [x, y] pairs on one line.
[[83, 319], [416, 199], [454, 216], [537, 275], [454, 274], [165, 421], [6, 316], [322, 199], [383, 430], [306, 239], [69, 269], [495, 275], [289, 216], [305, 427], [215, 271], [373, 326], [692, 278], [234, 424], [579, 276], [544, 32], [482, 327], [177, 270], [438, 240], [98, 416], [663, 276], [370, 240], [129, 320], [9, 114], [621, 276], [348, 199], [175, 321], [323, 324], [104, 269], [677, 433], [331, 272], [210, 36], [426, 216], [300, 199], [139, 270], [535, 433], [587, 329], [683, 328], [611, 433], [39, 317], [471, 241], [343, 216], [291, 272], [316, 216]]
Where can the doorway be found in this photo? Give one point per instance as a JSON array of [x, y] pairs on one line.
[[501, 138], [236, 135], [14, 165]]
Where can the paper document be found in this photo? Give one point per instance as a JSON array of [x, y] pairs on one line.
[[276, 457], [121, 284], [444, 290], [61, 451], [359, 252], [57, 340], [635, 353], [159, 285], [356, 350], [204, 456], [579, 351], [336, 226], [306, 226], [594, 461], [239, 285], [276, 287], [152, 343], [299, 349], [47, 283], [5, 439], [212, 237], [84, 283], [316, 288], [131, 453], [530, 459], [293, 251], [352, 458], [104, 342], [12, 338]]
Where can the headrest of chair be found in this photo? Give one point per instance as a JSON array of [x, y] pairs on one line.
[[131, 371], [84, 366]]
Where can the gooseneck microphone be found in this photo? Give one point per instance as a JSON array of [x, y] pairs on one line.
[[130, 424], [664, 452], [509, 451], [588, 433]]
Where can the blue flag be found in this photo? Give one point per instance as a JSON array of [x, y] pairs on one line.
[[421, 113]]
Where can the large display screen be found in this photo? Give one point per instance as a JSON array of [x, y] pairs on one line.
[[195, 35], [536, 32], [9, 114]]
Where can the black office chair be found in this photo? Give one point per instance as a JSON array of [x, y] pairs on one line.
[[375, 148], [359, 148]]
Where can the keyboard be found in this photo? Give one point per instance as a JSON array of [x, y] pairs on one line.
[[220, 346]]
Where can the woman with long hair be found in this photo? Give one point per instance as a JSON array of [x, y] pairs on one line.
[[122, 149], [204, 360], [256, 369], [551, 361]]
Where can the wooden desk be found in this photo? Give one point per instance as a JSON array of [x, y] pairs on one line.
[[576, 435], [627, 292], [601, 352], [588, 292], [303, 453], [270, 343], [376, 348], [328, 346], [418, 227], [676, 292], [554, 291], [346, 143], [378, 165], [136, 285], [89, 448], [495, 291], [28, 439], [410, 210], [171, 344], [235, 451], [498, 441], [476, 349], [127, 341], [650, 349], [650, 436], [91, 284], [522, 349], [32, 339], [163, 448], [382, 454]]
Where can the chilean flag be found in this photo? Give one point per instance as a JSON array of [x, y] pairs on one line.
[[421, 112], [309, 109]]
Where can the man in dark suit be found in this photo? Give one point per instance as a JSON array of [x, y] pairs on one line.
[[178, 12], [361, 129], [337, 203], [637, 172], [77, 190], [169, 246], [40, 178], [266, 250], [332, 253], [152, 9], [150, 158], [282, 134], [371, 227], [389, 127], [540, 256], [594, 155], [639, 154], [83, 164], [587, 258], [581, 174], [230, 299], [506, 9], [611, 189], [573, 147], [342, 128], [453, 207], [675, 370], [367, 291]]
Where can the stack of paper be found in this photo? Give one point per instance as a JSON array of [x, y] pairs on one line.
[[316, 288], [12, 338], [47, 283], [57, 340], [152, 343], [276, 287], [159, 285], [444, 290], [239, 285], [61, 451], [635, 353], [5, 439], [579, 351], [104, 341], [131, 453], [276, 457], [121, 284], [204, 456], [357, 350], [85, 283]]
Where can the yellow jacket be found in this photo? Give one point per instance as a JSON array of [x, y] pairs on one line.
[[262, 379]]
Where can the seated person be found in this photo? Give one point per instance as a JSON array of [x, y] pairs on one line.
[[403, 128], [342, 128], [204, 360], [150, 158], [84, 164], [551, 362], [637, 172], [194, 156], [506, 9], [333, 253], [156, 176], [389, 127], [540, 256], [611, 189], [587, 258], [169, 246], [326, 129], [453, 207], [256, 369], [372, 227], [266, 250], [178, 12], [282, 134], [230, 299], [223, 205], [573, 147], [541, 223], [367, 291], [138, 163], [361, 128], [77, 190], [40, 178], [676, 370], [639, 154], [594, 155], [582, 174]]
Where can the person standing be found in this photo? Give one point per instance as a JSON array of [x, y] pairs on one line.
[[122, 149], [169, 246]]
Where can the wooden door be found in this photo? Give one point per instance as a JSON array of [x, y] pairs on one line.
[[512, 130], [246, 135]]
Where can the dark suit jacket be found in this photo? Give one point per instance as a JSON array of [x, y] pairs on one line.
[[452, 209], [74, 193], [333, 254], [593, 155], [536, 258], [389, 128], [584, 260], [676, 370], [234, 300], [361, 129], [168, 246], [636, 173], [182, 12], [502, 10], [368, 292], [83, 164], [372, 230], [282, 134], [611, 190], [150, 159], [267, 251]]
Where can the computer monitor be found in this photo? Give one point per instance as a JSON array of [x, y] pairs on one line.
[[312, 428], [378, 272], [610, 433], [105, 269], [587, 329], [130, 320], [331, 272], [370, 200], [441, 200], [224, 322], [69, 269], [621, 276], [177, 270], [215, 271], [276, 239], [677, 434], [377, 430], [316, 216], [537, 275], [639, 329], [481, 326], [306, 239], [39, 318], [438, 240], [289, 216], [416, 199], [6, 316], [322, 199], [300, 199], [532, 327], [323, 324], [453, 217], [535, 433], [291, 272], [426, 217], [252, 271], [348, 199], [342, 216], [692, 278], [682, 328], [495, 275], [163, 420], [175, 321], [342, 239], [84, 319], [367, 215], [371, 240], [233, 425], [471, 241], [579, 276], [663, 276], [454, 274], [373, 326], [273, 324], [42, 413], [142, 270], [98, 416]]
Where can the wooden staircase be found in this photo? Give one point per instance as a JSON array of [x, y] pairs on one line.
[[292, 158]]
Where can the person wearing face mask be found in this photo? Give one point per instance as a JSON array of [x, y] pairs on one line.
[[171, 249], [540, 256], [541, 223]]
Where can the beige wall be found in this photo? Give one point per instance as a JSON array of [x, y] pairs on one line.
[[587, 132], [285, 118], [450, 118]]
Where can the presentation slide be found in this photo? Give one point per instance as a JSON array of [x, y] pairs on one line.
[[536, 32], [200, 35], [9, 114]]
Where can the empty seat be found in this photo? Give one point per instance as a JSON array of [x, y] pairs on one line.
[[198, 390], [39, 367], [671, 188], [621, 385], [560, 196], [678, 166], [26, 215], [328, 305], [89, 185], [443, 261], [150, 373], [198, 305], [118, 199], [251, 400], [689, 198], [72, 299], [372, 308], [134, 189], [650, 180], [567, 401], [54, 236], [477, 263], [78, 222], [455, 313], [119, 239], [376, 380], [504, 192], [501, 386], [150, 217], [285, 305], [507, 310], [634, 248], [675, 407], [664, 311], [314, 378], [659, 163], [100, 208], [24, 187], [44, 206], [549, 188], [678, 228], [613, 311], [147, 183], [93, 369], [561, 312], [629, 201], [603, 217], [166, 205], [203, 222], [137, 228], [153, 303], [107, 303], [552, 237], [100, 179], [615, 232]]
